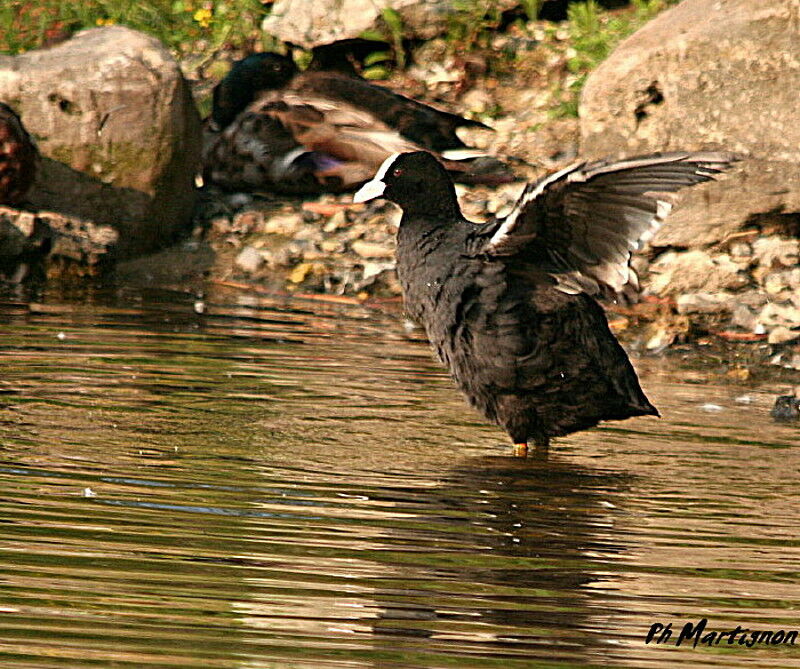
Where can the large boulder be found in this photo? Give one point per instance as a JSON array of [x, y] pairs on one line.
[[707, 74], [118, 132], [315, 23]]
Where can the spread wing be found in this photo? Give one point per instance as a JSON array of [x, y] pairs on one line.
[[583, 222]]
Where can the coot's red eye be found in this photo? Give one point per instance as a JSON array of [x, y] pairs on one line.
[[397, 172]]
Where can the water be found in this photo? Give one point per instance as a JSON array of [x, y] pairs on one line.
[[287, 483]]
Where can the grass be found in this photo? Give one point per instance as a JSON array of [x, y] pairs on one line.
[[196, 30], [187, 27], [593, 33]]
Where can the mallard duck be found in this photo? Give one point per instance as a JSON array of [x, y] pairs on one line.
[[509, 305], [18, 157], [275, 128]]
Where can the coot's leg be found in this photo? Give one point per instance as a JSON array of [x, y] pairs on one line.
[[520, 450], [542, 447]]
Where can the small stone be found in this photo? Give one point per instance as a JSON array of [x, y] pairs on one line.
[[775, 251], [338, 220], [249, 259], [782, 335], [741, 251], [299, 273], [773, 315], [373, 269], [283, 224], [704, 303], [776, 282], [331, 246], [240, 200], [743, 317], [695, 270], [246, 221], [477, 100], [371, 250], [221, 225]]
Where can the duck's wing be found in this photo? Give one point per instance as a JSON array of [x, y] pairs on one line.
[[582, 222], [294, 143], [337, 128], [288, 140], [427, 127]]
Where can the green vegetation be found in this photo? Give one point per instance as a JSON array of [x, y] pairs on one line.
[[196, 30], [472, 24], [593, 34], [188, 27]]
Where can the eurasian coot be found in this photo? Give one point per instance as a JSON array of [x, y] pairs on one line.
[[275, 128], [509, 305]]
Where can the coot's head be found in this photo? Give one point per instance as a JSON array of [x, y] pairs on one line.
[[416, 181], [249, 76]]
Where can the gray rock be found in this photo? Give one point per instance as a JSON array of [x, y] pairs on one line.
[[745, 318], [774, 315], [741, 252], [787, 360], [117, 129], [694, 271], [309, 23], [782, 335], [776, 283], [249, 259], [707, 74], [705, 303], [46, 235], [372, 250], [774, 251]]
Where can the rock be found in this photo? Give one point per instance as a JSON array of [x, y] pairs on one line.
[[372, 250], [782, 335], [743, 317], [787, 360], [27, 237], [705, 303], [249, 259], [117, 129], [773, 315], [776, 283], [283, 224], [694, 271], [707, 74], [774, 251], [741, 252], [311, 24]]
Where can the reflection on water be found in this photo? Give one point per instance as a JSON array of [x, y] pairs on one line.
[[278, 483]]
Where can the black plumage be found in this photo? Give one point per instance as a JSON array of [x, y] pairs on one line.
[[509, 305], [18, 157], [275, 128]]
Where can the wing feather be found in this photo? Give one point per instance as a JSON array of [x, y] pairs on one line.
[[587, 218]]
